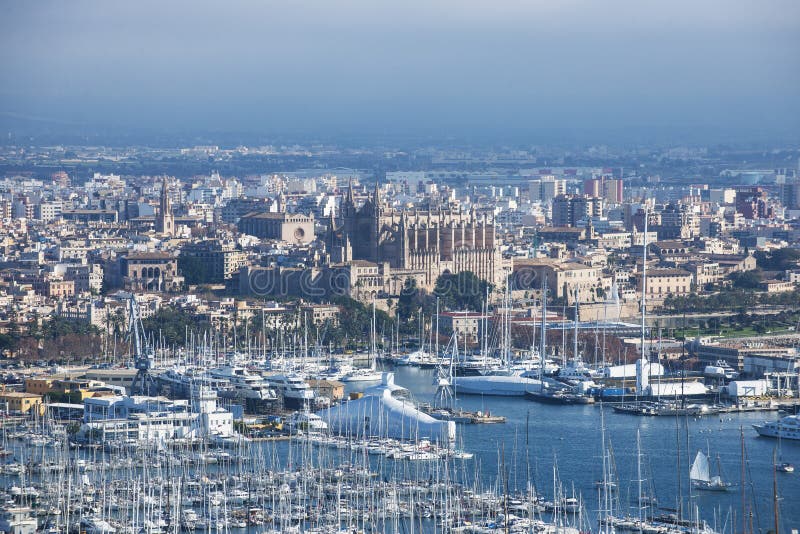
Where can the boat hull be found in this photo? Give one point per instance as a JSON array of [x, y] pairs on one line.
[[710, 486], [773, 432], [497, 386], [297, 403], [558, 399]]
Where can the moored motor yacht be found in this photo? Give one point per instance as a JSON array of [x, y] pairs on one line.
[[295, 391], [306, 422], [501, 382], [721, 370], [785, 428], [245, 384], [362, 375]]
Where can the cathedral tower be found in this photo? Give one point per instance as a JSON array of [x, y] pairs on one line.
[[165, 222]]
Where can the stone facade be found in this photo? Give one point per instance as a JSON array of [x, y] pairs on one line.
[[435, 241], [289, 227]]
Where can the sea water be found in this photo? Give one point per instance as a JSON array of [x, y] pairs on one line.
[[538, 436]]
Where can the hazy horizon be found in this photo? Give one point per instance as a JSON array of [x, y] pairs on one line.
[[600, 72]]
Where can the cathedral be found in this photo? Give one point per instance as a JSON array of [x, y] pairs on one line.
[[419, 243]]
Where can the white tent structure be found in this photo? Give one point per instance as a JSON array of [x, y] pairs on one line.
[[385, 411]]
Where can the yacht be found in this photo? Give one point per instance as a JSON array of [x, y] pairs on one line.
[[334, 372], [306, 422], [576, 371], [785, 428], [362, 375], [500, 382], [419, 358], [720, 370], [475, 365], [530, 363], [295, 391], [785, 467], [245, 384], [95, 525], [181, 380]]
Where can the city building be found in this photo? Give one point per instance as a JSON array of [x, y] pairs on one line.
[[468, 326], [569, 210], [546, 188], [210, 262], [663, 282], [147, 419], [16, 402], [289, 227], [149, 271]]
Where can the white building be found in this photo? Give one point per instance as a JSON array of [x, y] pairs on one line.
[[139, 419], [546, 188]]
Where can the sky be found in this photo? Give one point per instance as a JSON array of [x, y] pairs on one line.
[[428, 68]]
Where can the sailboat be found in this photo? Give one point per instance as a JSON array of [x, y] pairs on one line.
[[420, 357], [504, 381], [780, 465], [371, 373], [701, 478], [785, 467]]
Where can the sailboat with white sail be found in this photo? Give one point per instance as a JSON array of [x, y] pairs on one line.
[[701, 477]]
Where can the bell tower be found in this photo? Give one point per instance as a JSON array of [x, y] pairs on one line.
[[165, 222]]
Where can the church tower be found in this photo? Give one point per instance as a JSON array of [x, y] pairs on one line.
[[165, 222]]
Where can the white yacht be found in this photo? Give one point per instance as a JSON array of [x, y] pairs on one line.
[[577, 371], [502, 382], [181, 380], [362, 375], [295, 391], [476, 364], [369, 374], [531, 362], [245, 384], [307, 422], [95, 525], [721, 369], [785, 428], [334, 371], [419, 358]]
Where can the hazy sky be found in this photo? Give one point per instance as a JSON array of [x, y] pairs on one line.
[[436, 67]]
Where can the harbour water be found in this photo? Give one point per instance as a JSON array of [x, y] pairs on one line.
[[570, 437]]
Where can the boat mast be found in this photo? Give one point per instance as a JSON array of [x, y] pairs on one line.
[[639, 476], [436, 337], [641, 376], [775, 509], [372, 344], [744, 500], [542, 351], [575, 347]]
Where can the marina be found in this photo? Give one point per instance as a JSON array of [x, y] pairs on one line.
[[318, 482]]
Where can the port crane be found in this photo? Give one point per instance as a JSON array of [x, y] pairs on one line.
[[143, 382]]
